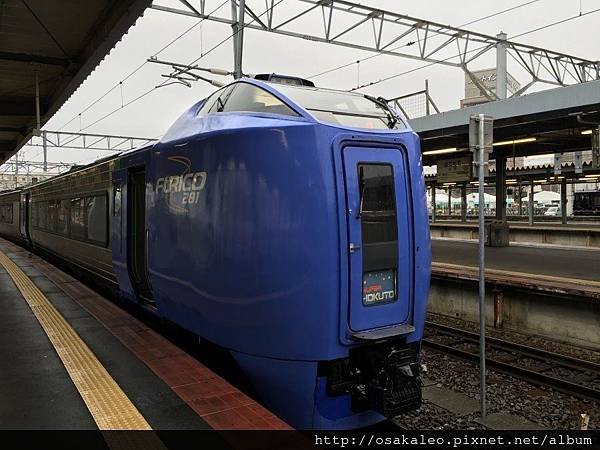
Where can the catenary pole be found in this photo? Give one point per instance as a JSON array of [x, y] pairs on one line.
[[481, 176]]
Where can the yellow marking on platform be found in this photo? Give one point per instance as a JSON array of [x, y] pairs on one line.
[[106, 401]]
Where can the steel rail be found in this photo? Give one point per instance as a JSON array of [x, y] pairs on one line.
[[539, 378]]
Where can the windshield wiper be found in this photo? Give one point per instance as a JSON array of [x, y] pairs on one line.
[[382, 103], [362, 185], [220, 104]]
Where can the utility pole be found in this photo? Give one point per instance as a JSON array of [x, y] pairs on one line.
[[433, 217], [36, 132], [45, 150], [501, 91], [480, 140], [237, 16], [531, 199]]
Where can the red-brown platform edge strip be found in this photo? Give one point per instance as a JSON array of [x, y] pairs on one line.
[[215, 400]]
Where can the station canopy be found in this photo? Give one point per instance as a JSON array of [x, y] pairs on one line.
[[58, 42], [544, 122]]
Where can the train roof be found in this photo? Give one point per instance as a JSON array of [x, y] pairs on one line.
[[78, 168], [349, 110], [331, 105]]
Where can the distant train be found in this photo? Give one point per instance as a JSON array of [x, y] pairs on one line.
[[586, 204], [284, 223]]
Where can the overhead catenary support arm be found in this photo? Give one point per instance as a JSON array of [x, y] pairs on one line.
[[86, 141], [31, 166], [363, 27]]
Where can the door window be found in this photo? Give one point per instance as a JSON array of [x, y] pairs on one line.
[[379, 232]]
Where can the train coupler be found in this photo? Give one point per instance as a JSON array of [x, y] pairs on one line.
[[395, 390]]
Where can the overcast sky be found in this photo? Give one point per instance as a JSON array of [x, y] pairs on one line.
[[266, 52]]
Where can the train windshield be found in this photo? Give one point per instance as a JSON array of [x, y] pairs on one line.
[[345, 108]]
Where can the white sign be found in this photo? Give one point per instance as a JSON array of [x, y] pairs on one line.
[[487, 78]]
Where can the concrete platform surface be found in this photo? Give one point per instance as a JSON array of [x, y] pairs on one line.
[[541, 225], [576, 264], [455, 402], [45, 383], [462, 405]]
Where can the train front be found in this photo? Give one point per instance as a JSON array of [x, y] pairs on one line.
[[368, 367], [306, 252]]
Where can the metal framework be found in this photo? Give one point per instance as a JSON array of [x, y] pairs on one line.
[[19, 167], [184, 74], [363, 27], [415, 104], [82, 141], [87, 141]]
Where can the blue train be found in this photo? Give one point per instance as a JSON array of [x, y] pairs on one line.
[[282, 222]]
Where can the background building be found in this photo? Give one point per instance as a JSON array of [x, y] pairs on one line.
[[9, 181]]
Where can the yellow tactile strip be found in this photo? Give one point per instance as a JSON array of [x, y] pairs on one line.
[[106, 401]]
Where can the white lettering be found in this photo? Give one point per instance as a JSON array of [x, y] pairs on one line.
[[179, 183], [378, 296]]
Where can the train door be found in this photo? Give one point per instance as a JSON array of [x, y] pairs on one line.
[[24, 217], [137, 235], [380, 249]]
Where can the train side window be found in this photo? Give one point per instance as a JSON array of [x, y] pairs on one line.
[[250, 98], [220, 100], [43, 215], [96, 210], [211, 104], [117, 200], [6, 213], [52, 208], [62, 217], [34, 214], [378, 204], [78, 230]]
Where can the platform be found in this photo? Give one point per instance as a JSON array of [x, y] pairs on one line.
[[551, 292], [72, 359], [576, 264], [545, 234]]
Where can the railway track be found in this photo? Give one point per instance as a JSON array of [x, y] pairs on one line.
[[566, 374]]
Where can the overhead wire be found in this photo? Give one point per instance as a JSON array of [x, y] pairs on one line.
[[234, 34], [359, 87], [129, 75], [149, 91], [139, 67], [193, 62], [408, 44], [372, 83]]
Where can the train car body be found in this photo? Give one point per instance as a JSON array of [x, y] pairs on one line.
[[296, 238], [68, 218], [10, 215], [586, 203]]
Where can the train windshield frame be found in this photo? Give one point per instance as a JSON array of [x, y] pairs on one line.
[[345, 108]]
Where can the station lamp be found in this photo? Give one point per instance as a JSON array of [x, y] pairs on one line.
[[515, 141], [440, 151]]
